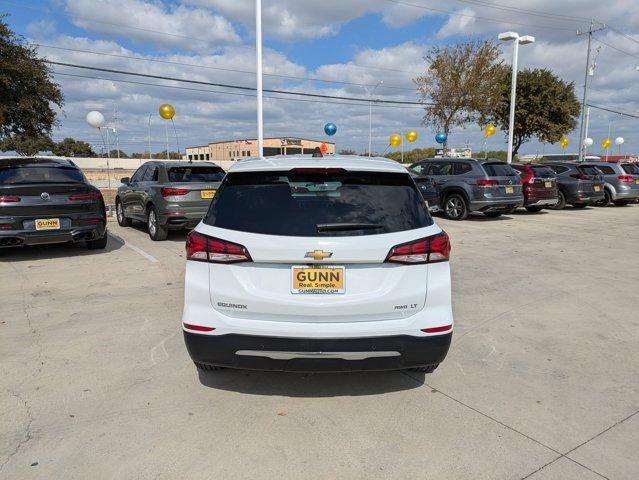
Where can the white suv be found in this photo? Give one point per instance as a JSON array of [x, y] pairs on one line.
[[317, 264]]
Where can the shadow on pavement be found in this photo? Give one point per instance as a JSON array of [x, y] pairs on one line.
[[288, 384], [54, 250]]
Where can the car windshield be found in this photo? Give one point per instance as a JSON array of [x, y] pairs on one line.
[[543, 171], [499, 170], [630, 169], [318, 202], [192, 174], [24, 174]]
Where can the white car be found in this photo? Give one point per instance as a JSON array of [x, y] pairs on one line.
[[317, 264]]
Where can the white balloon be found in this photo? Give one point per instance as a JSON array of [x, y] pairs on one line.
[[588, 141], [95, 119], [619, 141]]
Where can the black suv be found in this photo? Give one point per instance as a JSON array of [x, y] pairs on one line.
[[580, 185], [468, 185]]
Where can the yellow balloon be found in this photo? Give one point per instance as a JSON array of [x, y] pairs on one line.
[[564, 142], [490, 130], [605, 143], [411, 135], [395, 140], [167, 111]]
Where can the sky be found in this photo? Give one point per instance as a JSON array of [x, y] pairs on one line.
[[334, 47]]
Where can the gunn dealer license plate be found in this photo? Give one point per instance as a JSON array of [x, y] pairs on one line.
[[548, 184], [317, 280], [47, 224], [207, 193], [597, 188], [509, 190]]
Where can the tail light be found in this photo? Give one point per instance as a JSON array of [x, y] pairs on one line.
[[86, 197], [198, 328], [9, 199], [172, 192], [425, 250], [626, 178], [485, 182], [202, 248], [443, 328]]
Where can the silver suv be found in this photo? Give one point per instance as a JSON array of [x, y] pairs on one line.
[[621, 182], [167, 195], [467, 185]]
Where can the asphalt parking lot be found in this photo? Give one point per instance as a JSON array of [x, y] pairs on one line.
[[542, 380]]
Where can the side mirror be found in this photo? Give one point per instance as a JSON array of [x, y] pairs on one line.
[[125, 180]]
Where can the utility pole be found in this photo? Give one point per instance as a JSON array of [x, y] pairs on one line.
[[582, 123], [258, 55]]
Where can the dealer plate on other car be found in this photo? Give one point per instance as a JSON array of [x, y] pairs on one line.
[[47, 224], [207, 194], [597, 188], [317, 280], [548, 184], [509, 190]]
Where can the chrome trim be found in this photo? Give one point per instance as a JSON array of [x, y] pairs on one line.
[[337, 355]]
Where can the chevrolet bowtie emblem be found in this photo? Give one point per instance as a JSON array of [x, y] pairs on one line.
[[318, 255]]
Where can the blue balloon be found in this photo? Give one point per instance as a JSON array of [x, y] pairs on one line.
[[330, 129], [441, 137]]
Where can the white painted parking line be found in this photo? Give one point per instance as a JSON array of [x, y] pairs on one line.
[[149, 257]]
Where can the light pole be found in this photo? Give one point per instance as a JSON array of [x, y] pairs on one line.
[[150, 114], [258, 55], [370, 93], [517, 40]]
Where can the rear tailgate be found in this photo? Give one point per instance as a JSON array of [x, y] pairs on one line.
[[508, 184]]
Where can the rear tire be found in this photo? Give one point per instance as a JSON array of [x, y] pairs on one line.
[[579, 205], [510, 211], [99, 244], [426, 369], [455, 207], [208, 368], [119, 214], [561, 201], [157, 232], [493, 214], [607, 199], [534, 209]]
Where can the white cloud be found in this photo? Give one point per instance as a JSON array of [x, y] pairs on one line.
[[177, 27]]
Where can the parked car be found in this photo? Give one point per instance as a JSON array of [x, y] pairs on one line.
[[579, 185], [621, 182], [325, 268], [427, 188], [467, 185], [167, 195], [539, 184], [49, 201]]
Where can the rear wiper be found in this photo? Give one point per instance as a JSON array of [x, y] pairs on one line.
[[332, 227]]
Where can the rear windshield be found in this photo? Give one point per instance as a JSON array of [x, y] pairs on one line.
[[195, 174], [499, 170], [16, 175], [316, 203], [589, 170], [630, 169], [543, 171]]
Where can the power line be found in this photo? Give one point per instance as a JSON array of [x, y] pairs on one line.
[[525, 11], [616, 48], [224, 85], [632, 39], [169, 62], [230, 93], [613, 111], [488, 19]]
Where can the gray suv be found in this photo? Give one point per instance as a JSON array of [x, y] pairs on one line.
[[167, 195], [621, 182], [467, 185]]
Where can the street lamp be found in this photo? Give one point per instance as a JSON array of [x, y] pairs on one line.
[[370, 114], [517, 40]]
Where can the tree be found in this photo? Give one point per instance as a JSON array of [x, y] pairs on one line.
[[27, 145], [172, 155], [412, 156], [70, 147], [546, 107], [114, 154], [27, 93], [461, 84], [346, 151]]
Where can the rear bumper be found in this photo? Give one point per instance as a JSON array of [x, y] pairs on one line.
[[541, 202], [503, 204], [587, 197], [317, 354], [630, 194], [176, 216], [18, 238]]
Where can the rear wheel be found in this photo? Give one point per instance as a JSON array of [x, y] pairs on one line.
[[493, 214], [119, 213], [455, 207], [157, 232], [561, 202], [208, 368], [579, 205], [534, 209], [607, 199], [99, 244], [426, 369]]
